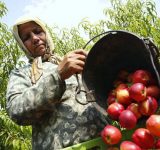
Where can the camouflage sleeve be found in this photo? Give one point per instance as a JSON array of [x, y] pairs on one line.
[[27, 103]]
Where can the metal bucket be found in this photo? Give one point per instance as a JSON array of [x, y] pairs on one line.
[[116, 50]]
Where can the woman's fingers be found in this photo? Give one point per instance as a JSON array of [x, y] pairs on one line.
[[72, 63]]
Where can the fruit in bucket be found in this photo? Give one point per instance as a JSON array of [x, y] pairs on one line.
[[111, 135], [122, 94], [141, 76], [137, 92], [134, 107], [143, 138], [153, 124], [127, 119], [148, 106], [157, 144], [114, 110], [153, 90], [128, 145], [111, 97]]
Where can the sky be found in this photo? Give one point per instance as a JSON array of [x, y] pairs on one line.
[[63, 13]]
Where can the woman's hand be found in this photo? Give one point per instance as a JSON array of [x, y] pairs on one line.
[[72, 63]]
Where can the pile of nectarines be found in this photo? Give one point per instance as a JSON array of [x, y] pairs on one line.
[[134, 97]]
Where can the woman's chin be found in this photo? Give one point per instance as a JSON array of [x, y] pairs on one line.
[[41, 52]]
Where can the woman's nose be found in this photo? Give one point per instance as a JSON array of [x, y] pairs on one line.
[[34, 37]]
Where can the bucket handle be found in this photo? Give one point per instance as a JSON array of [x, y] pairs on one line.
[[107, 32], [79, 89]]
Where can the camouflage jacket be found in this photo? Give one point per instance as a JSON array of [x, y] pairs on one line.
[[57, 119]]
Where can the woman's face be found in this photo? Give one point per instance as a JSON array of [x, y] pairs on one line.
[[33, 37]]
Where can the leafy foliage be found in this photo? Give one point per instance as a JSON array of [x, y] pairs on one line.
[[14, 136], [142, 21], [3, 9], [66, 40]]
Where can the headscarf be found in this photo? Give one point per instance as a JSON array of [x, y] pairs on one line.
[[37, 69]]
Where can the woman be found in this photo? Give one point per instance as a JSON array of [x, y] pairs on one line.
[[42, 93]]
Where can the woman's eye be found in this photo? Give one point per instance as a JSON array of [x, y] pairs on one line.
[[25, 38], [38, 31]]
